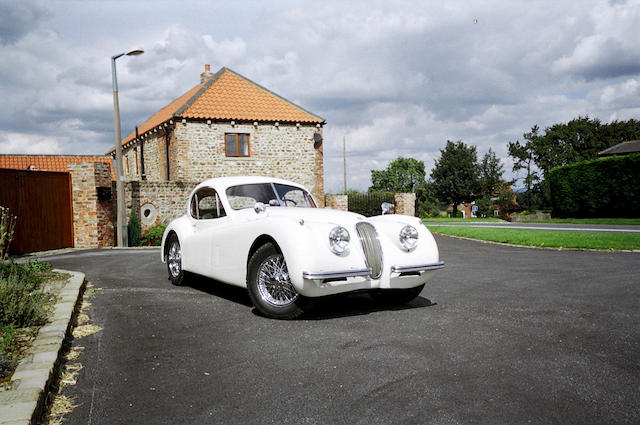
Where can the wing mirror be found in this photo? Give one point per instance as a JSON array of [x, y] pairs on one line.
[[386, 207], [259, 207]]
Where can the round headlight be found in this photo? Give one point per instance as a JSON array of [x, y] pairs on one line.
[[339, 240], [409, 237]]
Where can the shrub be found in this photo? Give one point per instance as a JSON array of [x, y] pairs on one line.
[[7, 227], [605, 187], [153, 237], [20, 306], [31, 274], [133, 229]]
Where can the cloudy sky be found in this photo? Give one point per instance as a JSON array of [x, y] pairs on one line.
[[396, 78]]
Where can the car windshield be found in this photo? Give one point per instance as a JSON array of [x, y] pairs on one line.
[[275, 195]]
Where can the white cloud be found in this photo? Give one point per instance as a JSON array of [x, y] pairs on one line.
[[17, 143]]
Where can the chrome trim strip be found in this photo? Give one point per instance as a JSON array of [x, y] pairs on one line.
[[336, 274], [425, 267]]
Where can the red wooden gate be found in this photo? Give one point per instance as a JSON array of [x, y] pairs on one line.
[[42, 202]]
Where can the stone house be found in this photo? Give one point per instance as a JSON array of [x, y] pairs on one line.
[[225, 126]]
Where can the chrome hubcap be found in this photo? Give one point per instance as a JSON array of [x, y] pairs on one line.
[[274, 284], [175, 259]]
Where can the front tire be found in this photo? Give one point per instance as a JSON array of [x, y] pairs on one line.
[[397, 296], [174, 261], [269, 285]]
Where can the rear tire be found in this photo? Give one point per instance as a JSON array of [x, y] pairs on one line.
[[174, 261], [269, 285], [396, 296]]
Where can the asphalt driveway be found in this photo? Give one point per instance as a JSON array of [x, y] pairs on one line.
[[501, 335]]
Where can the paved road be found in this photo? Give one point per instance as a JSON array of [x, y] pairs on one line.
[[564, 227], [502, 335]]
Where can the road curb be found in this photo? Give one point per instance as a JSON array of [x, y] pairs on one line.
[[25, 402]]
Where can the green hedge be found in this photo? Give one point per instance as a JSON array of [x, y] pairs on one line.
[[605, 187]]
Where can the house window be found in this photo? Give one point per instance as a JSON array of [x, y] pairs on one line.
[[236, 144]]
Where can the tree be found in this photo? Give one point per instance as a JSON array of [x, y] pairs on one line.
[[523, 158], [402, 175], [455, 174], [491, 171], [406, 175]]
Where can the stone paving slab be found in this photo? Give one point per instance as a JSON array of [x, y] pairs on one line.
[[24, 403]]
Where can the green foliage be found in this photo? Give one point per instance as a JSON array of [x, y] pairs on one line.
[[19, 305], [485, 207], [455, 174], [562, 144], [31, 274], [133, 229], [491, 171], [8, 342], [368, 204], [153, 237], [523, 159], [7, 228], [606, 187], [406, 175], [402, 175]]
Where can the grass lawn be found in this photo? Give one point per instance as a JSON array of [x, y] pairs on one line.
[[621, 221], [464, 220], [541, 238]]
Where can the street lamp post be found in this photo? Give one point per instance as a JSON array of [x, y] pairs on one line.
[[121, 228]]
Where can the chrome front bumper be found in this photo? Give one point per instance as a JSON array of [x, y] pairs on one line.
[[422, 268], [339, 274]]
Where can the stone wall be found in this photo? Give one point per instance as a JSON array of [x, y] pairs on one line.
[[197, 152], [93, 219], [405, 203], [338, 202], [157, 202]]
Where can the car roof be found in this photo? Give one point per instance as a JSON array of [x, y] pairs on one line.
[[222, 183]]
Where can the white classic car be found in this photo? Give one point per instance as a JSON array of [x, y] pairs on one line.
[[268, 235]]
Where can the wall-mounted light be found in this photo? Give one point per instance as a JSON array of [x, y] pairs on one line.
[[317, 125], [255, 123], [209, 123], [277, 124], [184, 121], [298, 125], [233, 123]]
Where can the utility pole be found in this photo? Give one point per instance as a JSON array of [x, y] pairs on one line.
[[344, 160]]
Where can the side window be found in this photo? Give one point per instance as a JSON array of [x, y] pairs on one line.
[[205, 205]]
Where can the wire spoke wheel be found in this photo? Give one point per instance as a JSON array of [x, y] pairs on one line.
[[174, 259], [274, 284]]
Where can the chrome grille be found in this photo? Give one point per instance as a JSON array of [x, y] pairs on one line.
[[371, 247]]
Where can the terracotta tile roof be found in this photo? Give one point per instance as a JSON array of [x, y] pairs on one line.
[[228, 96], [50, 162]]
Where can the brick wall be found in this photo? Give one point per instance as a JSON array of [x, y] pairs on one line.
[[197, 152], [93, 220], [405, 203]]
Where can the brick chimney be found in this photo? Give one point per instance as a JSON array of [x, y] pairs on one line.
[[207, 74]]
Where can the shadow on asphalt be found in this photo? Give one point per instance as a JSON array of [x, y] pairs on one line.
[[329, 307], [356, 304], [219, 289]]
